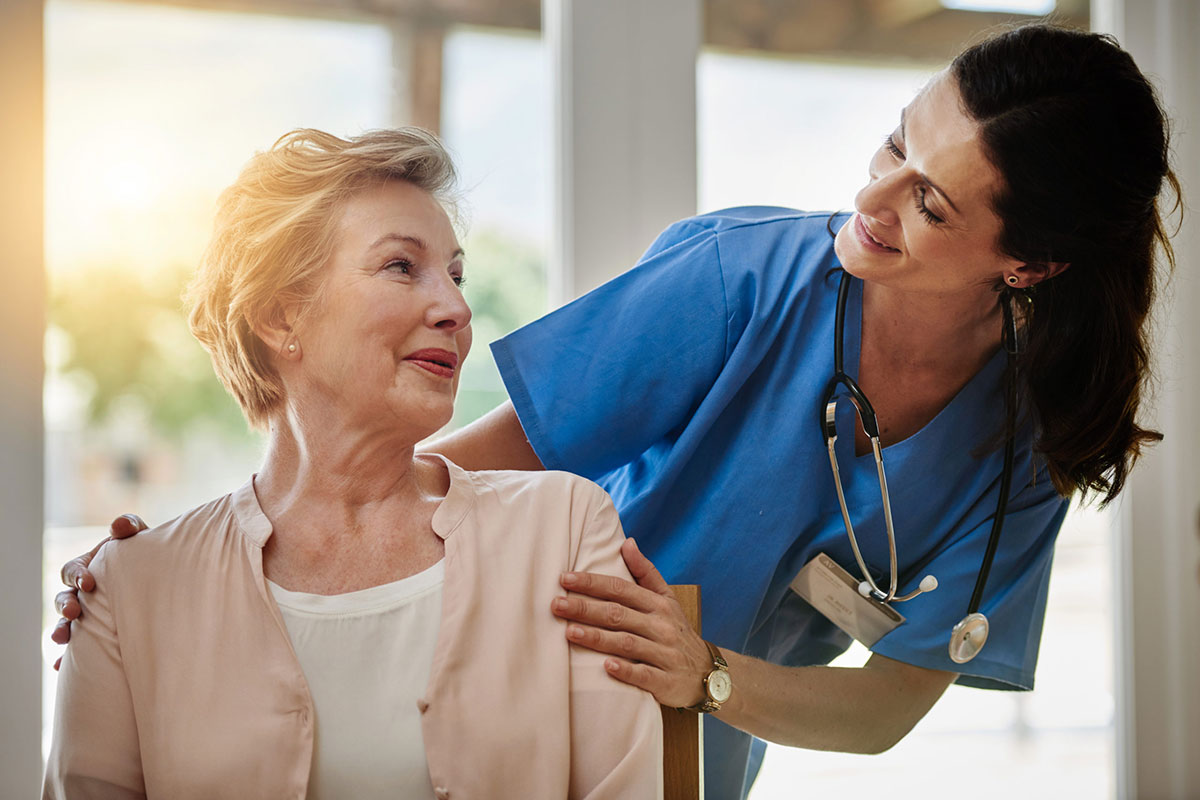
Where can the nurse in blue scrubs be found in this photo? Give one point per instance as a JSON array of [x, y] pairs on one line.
[[692, 389]]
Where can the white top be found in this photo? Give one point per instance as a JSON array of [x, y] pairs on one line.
[[366, 656]]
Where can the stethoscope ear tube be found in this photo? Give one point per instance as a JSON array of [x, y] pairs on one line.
[[989, 555], [971, 633]]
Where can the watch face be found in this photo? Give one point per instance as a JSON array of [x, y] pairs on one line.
[[720, 686]]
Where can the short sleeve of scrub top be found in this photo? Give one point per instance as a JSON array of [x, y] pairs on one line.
[[691, 388]]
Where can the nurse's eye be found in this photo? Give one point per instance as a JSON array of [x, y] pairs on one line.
[[889, 144], [923, 210]]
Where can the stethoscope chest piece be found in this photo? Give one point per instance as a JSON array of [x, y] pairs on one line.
[[968, 637]]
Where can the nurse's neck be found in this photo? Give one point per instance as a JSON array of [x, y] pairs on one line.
[[954, 332]]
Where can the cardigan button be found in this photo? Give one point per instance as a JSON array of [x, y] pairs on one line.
[[422, 705], [441, 793]]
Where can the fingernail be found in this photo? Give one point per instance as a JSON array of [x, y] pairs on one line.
[[610, 665], [570, 578], [560, 604], [575, 632]]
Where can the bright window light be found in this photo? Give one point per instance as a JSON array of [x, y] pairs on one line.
[[1033, 7]]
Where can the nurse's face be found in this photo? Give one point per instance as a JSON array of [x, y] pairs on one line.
[[924, 221]]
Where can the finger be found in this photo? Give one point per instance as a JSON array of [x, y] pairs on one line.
[[126, 525], [621, 643], [610, 587], [643, 571], [75, 572], [62, 632], [604, 614], [651, 680], [67, 604]]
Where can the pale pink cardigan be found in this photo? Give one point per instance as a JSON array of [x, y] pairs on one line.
[[181, 682]]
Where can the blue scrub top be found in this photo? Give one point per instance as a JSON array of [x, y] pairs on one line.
[[691, 388]]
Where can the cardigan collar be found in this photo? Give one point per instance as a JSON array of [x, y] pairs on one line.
[[446, 517]]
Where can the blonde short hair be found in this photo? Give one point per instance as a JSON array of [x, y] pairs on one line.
[[275, 231]]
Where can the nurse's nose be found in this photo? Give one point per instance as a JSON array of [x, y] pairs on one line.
[[880, 199]]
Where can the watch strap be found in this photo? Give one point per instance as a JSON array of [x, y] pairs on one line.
[[707, 705]]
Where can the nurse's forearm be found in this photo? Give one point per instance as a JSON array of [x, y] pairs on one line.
[[494, 441], [853, 710]]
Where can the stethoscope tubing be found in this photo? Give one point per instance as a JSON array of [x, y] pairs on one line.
[[871, 428]]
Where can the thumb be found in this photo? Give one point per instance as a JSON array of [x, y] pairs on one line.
[[126, 525], [643, 571]]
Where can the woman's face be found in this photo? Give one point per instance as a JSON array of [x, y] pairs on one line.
[[924, 221], [384, 344]]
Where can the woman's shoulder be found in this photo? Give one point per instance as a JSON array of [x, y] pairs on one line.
[[754, 223], [549, 516], [178, 546], [760, 217], [766, 255], [539, 487], [520, 499]]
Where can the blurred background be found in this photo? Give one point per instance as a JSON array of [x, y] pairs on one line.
[[151, 108]]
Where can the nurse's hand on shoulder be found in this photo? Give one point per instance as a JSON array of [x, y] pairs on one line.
[[641, 626], [76, 576]]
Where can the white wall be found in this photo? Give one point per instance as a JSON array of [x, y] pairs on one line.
[[22, 322], [624, 116], [1158, 559]]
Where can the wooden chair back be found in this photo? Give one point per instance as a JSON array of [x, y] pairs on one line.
[[683, 733]]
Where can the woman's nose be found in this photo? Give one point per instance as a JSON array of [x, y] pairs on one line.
[[880, 198], [449, 310]]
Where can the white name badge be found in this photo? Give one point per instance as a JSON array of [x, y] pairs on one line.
[[834, 592]]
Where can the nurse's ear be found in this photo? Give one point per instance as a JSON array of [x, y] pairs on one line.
[[1023, 276]]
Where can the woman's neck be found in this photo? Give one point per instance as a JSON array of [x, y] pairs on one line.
[[935, 333], [917, 352], [348, 508], [327, 463]]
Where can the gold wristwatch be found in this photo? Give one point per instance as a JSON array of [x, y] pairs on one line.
[[718, 685]]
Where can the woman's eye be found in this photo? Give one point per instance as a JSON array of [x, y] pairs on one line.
[[401, 265], [923, 210], [889, 143], [459, 281]]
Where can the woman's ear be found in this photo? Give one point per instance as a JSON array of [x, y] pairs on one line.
[[1027, 275], [275, 328]]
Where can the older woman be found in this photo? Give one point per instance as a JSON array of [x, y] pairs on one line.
[[362, 621]]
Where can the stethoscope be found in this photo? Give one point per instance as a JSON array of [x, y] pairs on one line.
[[969, 635]]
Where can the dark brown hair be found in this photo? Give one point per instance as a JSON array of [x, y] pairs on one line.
[[1081, 141]]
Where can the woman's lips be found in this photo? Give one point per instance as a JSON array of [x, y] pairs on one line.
[[440, 362], [867, 240]]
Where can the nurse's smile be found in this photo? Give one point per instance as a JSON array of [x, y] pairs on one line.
[[869, 241]]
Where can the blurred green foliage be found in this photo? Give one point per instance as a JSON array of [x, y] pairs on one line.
[[128, 337]]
